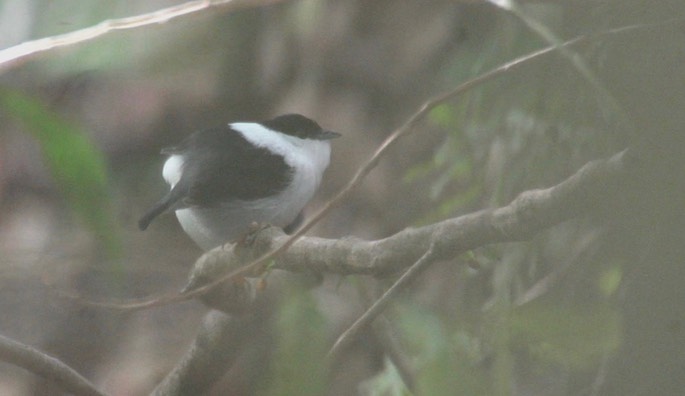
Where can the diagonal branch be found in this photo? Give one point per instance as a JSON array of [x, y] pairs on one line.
[[379, 305], [365, 169], [21, 52], [573, 57], [46, 366]]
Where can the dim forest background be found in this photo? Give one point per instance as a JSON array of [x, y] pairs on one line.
[[594, 305]]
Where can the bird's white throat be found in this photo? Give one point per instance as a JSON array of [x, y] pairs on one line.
[[295, 151]]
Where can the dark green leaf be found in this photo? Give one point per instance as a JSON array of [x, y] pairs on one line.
[[77, 167]]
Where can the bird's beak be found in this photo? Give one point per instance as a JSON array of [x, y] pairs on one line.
[[327, 135]]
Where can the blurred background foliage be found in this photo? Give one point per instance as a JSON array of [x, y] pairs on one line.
[[590, 307]]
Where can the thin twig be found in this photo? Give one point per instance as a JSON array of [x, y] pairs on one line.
[[46, 366], [548, 282], [400, 132], [386, 333], [388, 339], [377, 308], [574, 58], [21, 52]]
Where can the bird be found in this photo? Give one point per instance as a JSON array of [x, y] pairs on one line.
[[224, 179]]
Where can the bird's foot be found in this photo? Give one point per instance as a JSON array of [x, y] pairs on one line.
[[251, 235]]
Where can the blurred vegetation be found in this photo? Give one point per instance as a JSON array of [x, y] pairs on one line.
[[300, 348], [593, 306]]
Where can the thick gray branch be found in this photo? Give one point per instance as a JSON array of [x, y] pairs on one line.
[[215, 348], [223, 339], [46, 366], [531, 212]]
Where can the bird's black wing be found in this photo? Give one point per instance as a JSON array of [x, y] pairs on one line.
[[220, 165]]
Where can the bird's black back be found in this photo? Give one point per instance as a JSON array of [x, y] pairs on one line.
[[220, 165]]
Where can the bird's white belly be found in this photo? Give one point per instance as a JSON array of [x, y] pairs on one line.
[[211, 227]]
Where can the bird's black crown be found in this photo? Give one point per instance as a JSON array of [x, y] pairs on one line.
[[299, 126]]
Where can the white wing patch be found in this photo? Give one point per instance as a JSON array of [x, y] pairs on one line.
[[173, 170]]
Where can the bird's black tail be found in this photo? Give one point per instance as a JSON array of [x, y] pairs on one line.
[[160, 207]]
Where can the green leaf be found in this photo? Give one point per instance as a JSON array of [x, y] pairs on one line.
[[77, 167]]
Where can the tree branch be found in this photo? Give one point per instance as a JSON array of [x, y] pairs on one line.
[[216, 347], [46, 366], [224, 338], [14, 55], [597, 183], [531, 212]]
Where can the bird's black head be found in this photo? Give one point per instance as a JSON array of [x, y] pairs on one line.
[[299, 126]]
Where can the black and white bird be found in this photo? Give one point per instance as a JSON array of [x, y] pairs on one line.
[[224, 179]]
